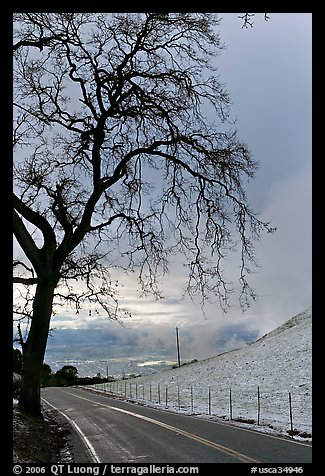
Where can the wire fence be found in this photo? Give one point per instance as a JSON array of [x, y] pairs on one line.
[[251, 405]]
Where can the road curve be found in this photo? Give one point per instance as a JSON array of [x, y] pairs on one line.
[[116, 431]]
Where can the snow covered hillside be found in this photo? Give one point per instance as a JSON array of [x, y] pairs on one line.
[[252, 384]]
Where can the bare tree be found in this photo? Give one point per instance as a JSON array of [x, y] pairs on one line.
[[248, 19], [124, 155]]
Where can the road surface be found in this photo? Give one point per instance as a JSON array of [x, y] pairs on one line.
[[110, 430]]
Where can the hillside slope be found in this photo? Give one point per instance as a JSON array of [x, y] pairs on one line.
[[249, 384]]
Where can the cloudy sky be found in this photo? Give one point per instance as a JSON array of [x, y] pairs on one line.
[[267, 72]]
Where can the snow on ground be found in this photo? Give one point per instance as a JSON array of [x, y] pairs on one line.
[[253, 384]]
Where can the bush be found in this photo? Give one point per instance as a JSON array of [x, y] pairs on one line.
[[68, 375], [93, 380]]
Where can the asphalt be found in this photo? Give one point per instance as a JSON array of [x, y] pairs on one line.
[[111, 430]]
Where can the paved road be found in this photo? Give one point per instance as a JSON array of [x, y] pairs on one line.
[[115, 431]]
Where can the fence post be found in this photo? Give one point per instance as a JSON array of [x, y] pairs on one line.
[[166, 391], [209, 400], [150, 395], [258, 405], [192, 402], [178, 398], [136, 391], [290, 414], [158, 393], [230, 405]]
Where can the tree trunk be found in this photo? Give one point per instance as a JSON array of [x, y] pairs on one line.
[[35, 346]]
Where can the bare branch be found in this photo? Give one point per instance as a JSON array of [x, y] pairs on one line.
[[247, 19]]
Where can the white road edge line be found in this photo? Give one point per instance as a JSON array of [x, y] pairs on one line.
[[89, 446]]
